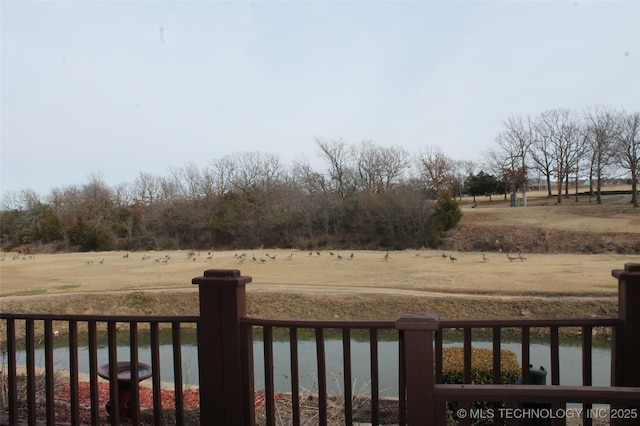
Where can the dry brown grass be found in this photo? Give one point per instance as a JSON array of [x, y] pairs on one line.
[[548, 228], [406, 272], [615, 214]]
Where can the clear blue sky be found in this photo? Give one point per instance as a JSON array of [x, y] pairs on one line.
[[127, 87]]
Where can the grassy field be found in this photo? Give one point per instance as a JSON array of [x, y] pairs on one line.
[[422, 271], [359, 284]]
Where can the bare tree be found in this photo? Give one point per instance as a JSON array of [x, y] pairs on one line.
[[169, 190], [207, 184], [188, 181], [581, 153], [379, 168], [29, 199], [307, 179], [508, 164], [9, 201], [23, 199], [560, 128], [33, 212], [254, 171], [246, 171], [541, 156], [505, 165], [515, 142], [436, 169], [67, 204], [147, 189], [272, 172], [628, 148], [222, 171], [599, 131], [368, 159], [338, 155], [395, 163], [462, 170], [98, 199], [149, 198], [122, 195]]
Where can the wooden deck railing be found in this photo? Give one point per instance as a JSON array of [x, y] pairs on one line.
[[318, 328], [226, 364], [39, 403], [419, 334], [557, 395]]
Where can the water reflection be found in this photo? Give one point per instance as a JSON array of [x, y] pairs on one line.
[[570, 357]]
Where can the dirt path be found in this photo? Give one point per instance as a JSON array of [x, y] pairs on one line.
[[355, 290], [341, 291]]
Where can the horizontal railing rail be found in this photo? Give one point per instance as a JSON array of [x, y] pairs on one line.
[[531, 322], [100, 318], [304, 323], [538, 394]]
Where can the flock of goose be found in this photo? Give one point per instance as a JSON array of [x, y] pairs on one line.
[[241, 258], [485, 258]]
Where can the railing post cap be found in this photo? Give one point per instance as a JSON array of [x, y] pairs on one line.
[[631, 272], [224, 277], [418, 321]]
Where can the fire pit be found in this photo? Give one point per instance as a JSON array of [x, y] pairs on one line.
[[123, 377]]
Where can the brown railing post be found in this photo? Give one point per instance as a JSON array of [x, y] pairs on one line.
[[625, 370], [225, 370], [417, 333]]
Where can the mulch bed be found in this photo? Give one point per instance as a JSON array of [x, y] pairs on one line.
[[191, 398]]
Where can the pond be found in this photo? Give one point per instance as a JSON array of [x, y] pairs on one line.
[[570, 358]]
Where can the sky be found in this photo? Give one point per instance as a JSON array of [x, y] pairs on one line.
[[120, 88]]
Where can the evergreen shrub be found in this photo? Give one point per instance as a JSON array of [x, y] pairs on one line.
[[481, 374], [481, 366]]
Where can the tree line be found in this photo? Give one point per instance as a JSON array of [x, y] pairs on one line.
[[364, 195], [561, 147], [249, 199]]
